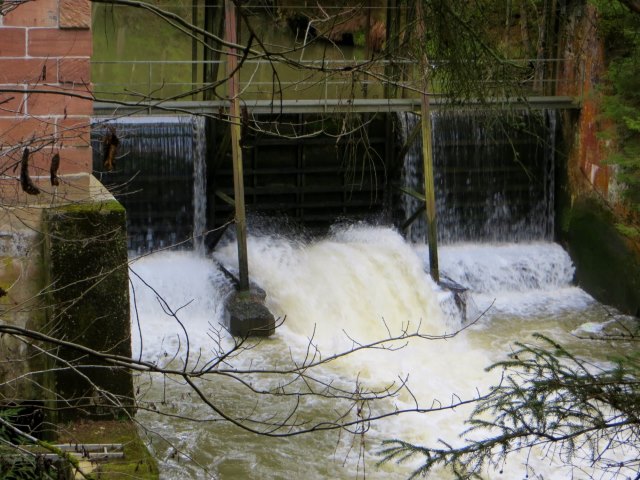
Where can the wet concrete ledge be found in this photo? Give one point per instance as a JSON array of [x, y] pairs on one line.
[[607, 263]]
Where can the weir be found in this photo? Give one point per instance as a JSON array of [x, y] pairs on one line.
[[160, 178], [495, 177], [351, 284], [360, 283]]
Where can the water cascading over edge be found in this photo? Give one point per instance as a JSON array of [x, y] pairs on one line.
[[159, 177], [494, 180]]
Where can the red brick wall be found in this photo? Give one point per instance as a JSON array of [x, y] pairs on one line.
[[583, 69], [45, 85]]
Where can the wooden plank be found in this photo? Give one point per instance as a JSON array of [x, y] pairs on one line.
[[236, 151], [414, 216], [295, 170], [413, 193], [226, 198], [294, 142], [93, 456], [89, 447]]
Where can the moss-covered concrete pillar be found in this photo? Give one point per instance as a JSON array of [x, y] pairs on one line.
[[85, 261], [607, 263]]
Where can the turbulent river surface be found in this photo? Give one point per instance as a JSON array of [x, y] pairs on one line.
[[359, 285]]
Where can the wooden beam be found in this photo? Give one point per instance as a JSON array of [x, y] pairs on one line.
[[427, 155], [236, 150], [413, 193], [413, 217], [226, 198]]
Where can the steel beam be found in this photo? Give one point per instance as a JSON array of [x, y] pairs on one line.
[[262, 107]]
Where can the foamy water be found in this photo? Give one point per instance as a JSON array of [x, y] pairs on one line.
[[360, 285], [524, 279], [168, 289]]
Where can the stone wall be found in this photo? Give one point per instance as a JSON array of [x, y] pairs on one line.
[[87, 292], [45, 84], [584, 67], [63, 272], [63, 259], [607, 263]]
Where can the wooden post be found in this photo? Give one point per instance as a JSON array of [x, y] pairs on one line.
[[236, 151], [427, 155], [429, 189]]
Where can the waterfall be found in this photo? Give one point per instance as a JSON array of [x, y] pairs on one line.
[[355, 277], [494, 178], [358, 284], [160, 178]]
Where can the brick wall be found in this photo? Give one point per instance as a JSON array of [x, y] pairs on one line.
[[583, 69], [45, 85]]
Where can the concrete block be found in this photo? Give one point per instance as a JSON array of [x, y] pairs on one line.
[[247, 315], [87, 269]]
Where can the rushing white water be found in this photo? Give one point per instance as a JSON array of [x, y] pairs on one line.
[[160, 177], [186, 282], [361, 284], [528, 279], [494, 181]]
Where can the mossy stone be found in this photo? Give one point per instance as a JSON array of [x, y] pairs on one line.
[[607, 263], [86, 264]]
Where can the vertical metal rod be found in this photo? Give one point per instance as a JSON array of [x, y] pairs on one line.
[[236, 151], [194, 49], [149, 86], [427, 155], [367, 50], [391, 41]]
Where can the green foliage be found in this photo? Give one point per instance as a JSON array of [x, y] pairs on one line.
[[15, 464], [628, 230], [549, 399], [621, 104], [459, 39]]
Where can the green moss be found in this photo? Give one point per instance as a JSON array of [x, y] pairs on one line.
[[565, 220], [106, 206], [359, 39], [86, 264], [137, 463]]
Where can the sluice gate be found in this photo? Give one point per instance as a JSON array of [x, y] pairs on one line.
[[311, 170], [494, 178]]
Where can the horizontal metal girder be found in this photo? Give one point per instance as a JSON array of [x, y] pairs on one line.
[[262, 107]]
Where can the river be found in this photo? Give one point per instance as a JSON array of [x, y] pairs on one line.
[[360, 284]]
